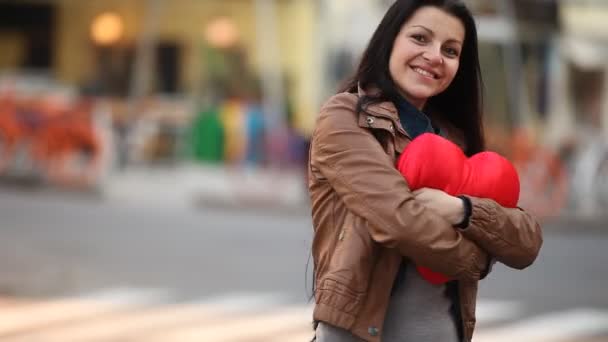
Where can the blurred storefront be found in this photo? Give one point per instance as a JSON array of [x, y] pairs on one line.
[[240, 82], [166, 69], [584, 102], [182, 33], [544, 65]]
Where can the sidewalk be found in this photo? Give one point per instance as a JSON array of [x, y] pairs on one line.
[[278, 192], [258, 190], [210, 186]]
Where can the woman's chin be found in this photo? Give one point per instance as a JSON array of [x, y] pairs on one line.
[[419, 94]]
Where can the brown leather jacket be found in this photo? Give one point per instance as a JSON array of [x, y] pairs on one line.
[[366, 221]]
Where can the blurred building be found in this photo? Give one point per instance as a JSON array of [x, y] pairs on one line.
[[544, 64], [177, 47], [241, 81], [305, 48]]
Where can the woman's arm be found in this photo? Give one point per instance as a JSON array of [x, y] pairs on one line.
[[352, 161], [511, 235]]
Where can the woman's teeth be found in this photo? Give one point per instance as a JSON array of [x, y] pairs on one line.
[[424, 72]]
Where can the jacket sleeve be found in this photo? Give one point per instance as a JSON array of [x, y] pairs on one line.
[[510, 235], [363, 176]]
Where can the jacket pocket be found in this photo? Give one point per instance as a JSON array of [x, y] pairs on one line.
[[354, 256]]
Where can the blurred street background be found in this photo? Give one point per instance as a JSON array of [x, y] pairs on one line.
[[153, 152]]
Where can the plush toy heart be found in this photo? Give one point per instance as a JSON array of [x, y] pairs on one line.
[[431, 161]]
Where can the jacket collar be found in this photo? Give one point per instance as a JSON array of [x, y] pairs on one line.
[[388, 110], [385, 108]]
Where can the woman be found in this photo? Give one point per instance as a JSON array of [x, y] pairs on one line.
[[420, 73]]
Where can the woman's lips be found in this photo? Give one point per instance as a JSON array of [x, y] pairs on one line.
[[424, 72]]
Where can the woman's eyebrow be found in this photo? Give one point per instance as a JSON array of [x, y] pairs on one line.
[[425, 28], [455, 41], [451, 40]]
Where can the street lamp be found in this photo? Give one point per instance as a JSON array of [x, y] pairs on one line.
[[107, 29], [221, 33]]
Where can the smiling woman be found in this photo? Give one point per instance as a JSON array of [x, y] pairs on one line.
[[419, 74], [425, 56]]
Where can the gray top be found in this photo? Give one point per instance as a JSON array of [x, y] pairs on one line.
[[418, 311]]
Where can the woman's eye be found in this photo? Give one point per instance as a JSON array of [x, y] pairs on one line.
[[451, 52], [419, 38]]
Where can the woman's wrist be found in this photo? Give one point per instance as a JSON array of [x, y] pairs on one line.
[[467, 207]]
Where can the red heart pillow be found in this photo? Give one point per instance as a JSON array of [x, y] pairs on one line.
[[431, 161]]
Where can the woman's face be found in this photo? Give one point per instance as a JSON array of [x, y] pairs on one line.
[[426, 54]]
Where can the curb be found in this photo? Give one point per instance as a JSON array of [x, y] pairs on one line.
[[575, 223]]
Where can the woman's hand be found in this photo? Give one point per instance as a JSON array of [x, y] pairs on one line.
[[447, 206]]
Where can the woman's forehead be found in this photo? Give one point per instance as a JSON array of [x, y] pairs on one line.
[[437, 22]]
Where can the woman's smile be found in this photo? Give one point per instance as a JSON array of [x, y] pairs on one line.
[[425, 73]]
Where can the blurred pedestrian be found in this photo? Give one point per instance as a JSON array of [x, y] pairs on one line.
[[420, 73]]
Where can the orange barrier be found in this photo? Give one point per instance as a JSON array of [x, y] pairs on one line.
[[54, 136], [544, 178]]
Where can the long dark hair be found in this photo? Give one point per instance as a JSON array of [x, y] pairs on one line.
[[460, 104]]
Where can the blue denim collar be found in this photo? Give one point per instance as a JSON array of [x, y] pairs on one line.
[[413, 120]]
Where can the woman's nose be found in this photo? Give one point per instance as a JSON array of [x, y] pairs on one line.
[[433, 56]]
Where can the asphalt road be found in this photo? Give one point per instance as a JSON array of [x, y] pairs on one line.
[[60, 245]]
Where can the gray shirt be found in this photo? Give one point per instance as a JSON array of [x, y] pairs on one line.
[[418, 311]]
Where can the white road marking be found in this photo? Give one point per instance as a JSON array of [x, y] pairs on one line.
[[554, 326], [493, 311], [125, 314], [128, 296], [31, 315], [249, 328], [147, 315], [238, 301]]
